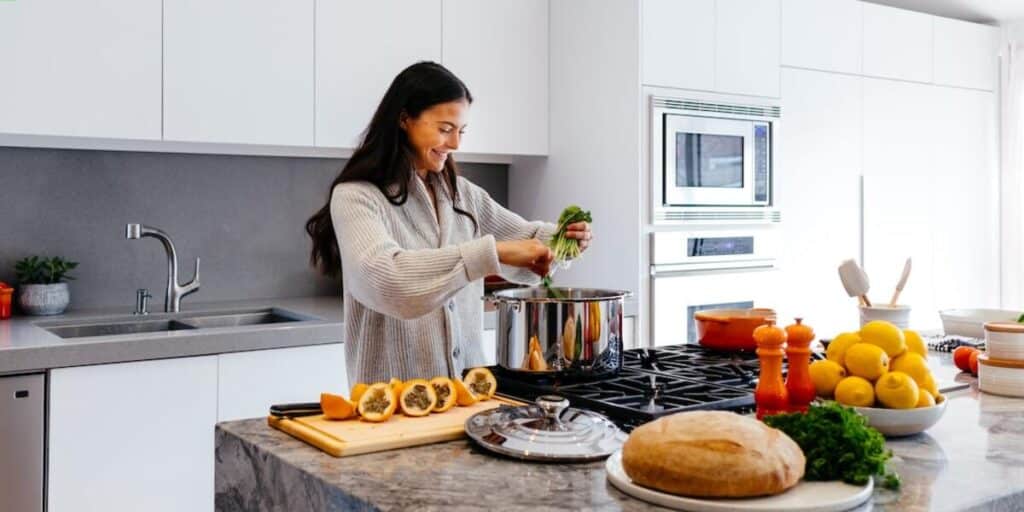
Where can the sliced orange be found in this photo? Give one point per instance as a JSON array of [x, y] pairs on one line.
[[481, 382], [378, 403], [357, 391], [336, 407], [463, 396], [447, 396], [396, 384], [418, 398]]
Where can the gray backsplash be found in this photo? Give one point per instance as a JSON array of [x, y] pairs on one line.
[[243, 215]]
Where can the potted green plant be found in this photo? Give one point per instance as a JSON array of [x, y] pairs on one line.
[[44, 287]]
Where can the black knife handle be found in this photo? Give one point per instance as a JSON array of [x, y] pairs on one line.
[[299, 409]]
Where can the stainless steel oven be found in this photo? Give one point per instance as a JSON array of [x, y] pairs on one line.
[[709, 268], [711, 155]]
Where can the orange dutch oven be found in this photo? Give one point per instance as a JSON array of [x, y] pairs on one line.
[[730, 329]]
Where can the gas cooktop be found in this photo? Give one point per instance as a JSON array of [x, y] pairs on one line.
[[653, 383]]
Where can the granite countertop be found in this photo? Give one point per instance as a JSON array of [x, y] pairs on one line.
[[972, 459], [26, 347]]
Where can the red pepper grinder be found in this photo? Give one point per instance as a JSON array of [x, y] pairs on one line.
[[770, 396], [798, 353]]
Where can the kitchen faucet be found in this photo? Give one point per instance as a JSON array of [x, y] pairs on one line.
[[175, 292]]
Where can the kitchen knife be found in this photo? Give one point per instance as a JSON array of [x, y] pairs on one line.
[[297, 409]]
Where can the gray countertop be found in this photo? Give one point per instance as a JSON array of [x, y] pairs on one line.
[[26, 347], [972, 459]]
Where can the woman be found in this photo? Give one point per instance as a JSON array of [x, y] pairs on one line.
[[413, 240]]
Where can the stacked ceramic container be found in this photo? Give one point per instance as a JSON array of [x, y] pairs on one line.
[[1001, 368]]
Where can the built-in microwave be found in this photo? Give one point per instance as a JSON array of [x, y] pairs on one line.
[[712, 156]]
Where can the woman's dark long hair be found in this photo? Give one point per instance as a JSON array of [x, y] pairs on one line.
[[385, 157]]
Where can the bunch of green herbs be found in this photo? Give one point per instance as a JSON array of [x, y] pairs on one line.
[[838, 444], [563, 247]]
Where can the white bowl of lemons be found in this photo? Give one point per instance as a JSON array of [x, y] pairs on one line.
[[903, 422], [882, 372]]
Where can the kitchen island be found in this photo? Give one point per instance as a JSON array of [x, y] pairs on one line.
[[973, 459]]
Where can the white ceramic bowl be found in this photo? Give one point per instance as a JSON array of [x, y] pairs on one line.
[[971, 322], [1005, 340], [997, 377], [902, 422]]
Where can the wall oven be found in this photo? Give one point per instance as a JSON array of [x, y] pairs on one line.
[[711, 267], [711, 157]]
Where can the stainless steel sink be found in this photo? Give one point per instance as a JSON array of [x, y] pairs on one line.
[[86, 330], [191, 320], [238, 319]]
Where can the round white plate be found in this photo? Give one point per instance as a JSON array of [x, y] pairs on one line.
[[803, 497]]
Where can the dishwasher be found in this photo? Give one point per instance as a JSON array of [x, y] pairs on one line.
[[22, 427]]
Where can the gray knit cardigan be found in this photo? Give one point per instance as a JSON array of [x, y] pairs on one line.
[[413, 280]]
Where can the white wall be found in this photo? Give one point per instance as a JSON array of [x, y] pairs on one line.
[[595, 139]]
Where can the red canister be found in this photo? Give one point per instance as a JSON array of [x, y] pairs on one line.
[[5, 300]]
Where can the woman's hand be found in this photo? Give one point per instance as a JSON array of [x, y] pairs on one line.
[[581, 232], [532, 254]]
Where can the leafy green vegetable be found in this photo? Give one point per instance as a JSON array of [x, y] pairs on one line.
[[838, 444], [565, 248], [1020, 319]]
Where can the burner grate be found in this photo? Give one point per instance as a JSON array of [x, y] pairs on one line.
[[654, 383]]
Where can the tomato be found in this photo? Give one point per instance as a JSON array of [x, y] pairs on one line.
[[962, 357], [974, 362]]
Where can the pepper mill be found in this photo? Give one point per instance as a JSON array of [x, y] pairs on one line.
[[770, 396], [798, 379]]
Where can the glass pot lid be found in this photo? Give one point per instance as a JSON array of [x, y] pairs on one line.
[[548, 430]]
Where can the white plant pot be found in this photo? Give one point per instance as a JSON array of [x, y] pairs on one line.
[[44, 299]]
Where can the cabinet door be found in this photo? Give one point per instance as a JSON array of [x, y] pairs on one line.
[[87, 69], [238, 71], [900, 176], [250, 382], [817, 189], [133, 436], [500, 50], [678, 45], [965, 54], [822, 34], [490, 343], [352, 74], [897, 43], [747, 47]]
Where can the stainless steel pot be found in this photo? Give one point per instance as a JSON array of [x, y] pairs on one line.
[[569, 331]]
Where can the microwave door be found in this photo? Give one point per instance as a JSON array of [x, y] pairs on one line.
[[707, 161]]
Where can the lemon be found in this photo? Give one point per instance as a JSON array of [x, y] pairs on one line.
[[855, 391], [925, 399], [897, 390], [867, 361], [928, 384], [915, 343], [838, 347], [885, 335], [911, 363], [826, 376]]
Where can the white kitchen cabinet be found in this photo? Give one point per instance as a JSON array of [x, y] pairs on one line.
[[500, 50], [239, 71], [250, 382], [678, 43], [132, 436], [86, 69], [747, 47], [822, 34], [965, 54], [897, 43], [820, 149], [351, 75]]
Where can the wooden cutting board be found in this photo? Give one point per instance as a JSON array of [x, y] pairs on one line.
[[355, 437]]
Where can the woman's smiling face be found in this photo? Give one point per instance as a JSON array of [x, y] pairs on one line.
[[435, 133]]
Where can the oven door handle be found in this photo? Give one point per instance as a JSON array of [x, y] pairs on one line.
[[682, 269]]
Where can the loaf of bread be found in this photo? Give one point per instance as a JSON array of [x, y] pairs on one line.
[[712, 454]]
